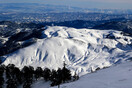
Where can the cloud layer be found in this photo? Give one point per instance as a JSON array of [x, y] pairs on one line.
[[111, 1], [121, 4]]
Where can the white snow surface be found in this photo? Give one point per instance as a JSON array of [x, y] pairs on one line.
[[81, 49], [119, 76], [3, 26]]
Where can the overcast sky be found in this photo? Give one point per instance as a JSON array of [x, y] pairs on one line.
[[120, 4]]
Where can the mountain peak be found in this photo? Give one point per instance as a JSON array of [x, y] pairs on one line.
[[82, 49]]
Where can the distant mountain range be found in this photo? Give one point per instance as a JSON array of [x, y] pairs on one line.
[[125, 26], [114, 24], [43, 8], [36, 8], [74, 23]]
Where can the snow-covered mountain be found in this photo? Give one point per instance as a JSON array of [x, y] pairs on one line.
[[84, 50]]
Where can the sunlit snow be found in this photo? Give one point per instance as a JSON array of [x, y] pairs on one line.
[[83, 50]]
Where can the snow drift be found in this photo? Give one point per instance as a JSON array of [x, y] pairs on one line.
[[84, 50]]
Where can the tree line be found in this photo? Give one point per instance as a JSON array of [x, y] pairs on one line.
[[14, 77]]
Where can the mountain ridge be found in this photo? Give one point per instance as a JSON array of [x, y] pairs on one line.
[[82, 49]]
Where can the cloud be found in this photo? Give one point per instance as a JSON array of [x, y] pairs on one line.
[[123, 4], [101, 1], [108, 1]]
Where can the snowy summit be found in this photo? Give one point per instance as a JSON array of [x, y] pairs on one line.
[[84, 50]]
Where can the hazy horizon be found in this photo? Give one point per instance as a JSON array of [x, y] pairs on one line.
[[101, 4]]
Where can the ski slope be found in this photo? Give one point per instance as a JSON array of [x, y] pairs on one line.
[[119, 76], [83, 50]]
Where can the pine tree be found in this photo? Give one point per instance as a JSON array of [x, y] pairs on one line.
[[28, 73], [66, 73], [31, 72], [46, 74], [26, 85], [1, 76], [1, 61], [10, 71], [11, 83], [1, 81], [18, 75], [59, 76], [38, 72], [75, 77], [53, 78], [28, 76], [1, 70]]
